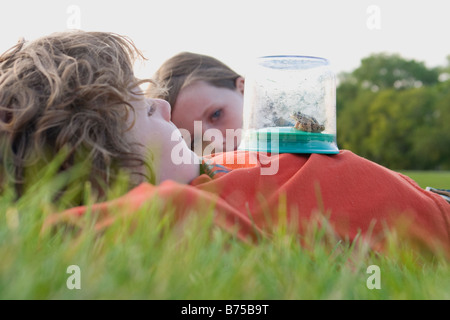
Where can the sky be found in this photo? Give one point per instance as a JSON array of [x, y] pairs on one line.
[[238, 31]]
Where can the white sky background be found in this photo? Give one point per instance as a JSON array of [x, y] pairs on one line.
[[237, 31]]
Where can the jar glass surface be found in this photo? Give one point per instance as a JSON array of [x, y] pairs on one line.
[[290, 101]]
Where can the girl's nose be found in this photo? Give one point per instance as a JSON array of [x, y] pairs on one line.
[[164, 108]]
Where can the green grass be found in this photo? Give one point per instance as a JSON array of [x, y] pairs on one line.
[[436, 179], [197, 261]]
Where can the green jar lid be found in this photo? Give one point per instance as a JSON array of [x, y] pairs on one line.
[[288, 140]]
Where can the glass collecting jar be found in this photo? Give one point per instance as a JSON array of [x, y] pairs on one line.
[[290, 106]]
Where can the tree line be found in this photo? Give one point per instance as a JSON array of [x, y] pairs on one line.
[[396, 112]]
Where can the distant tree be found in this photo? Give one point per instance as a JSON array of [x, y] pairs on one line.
[[383, 71], [437, 147], [444, 72], [396, 112]]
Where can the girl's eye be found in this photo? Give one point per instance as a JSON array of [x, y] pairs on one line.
[[216, 115]]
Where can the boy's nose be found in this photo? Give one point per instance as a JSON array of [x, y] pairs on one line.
[[164, 108]]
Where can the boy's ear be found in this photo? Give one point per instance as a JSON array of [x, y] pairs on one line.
[[240, 84]]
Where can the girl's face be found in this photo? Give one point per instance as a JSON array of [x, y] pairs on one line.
[[216, 108], [161, 142]]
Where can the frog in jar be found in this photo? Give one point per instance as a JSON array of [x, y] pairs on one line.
[[306, 123]]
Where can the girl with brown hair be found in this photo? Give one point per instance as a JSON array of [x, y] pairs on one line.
[[203, 89]]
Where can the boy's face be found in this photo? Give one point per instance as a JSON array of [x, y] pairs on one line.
[[161, 141]]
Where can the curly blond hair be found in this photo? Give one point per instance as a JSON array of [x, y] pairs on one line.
[[68, 91]]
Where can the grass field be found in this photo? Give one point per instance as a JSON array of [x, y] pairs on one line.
[[436, 179], [200, 261]]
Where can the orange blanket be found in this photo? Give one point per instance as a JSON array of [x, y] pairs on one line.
[[356, 195]]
